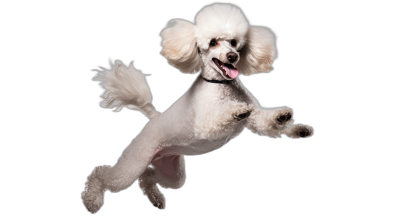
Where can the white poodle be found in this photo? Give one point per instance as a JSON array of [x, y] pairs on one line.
[[212, 112]]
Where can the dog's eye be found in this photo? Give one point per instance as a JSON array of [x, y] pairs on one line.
[[233, 43], [213, 42]]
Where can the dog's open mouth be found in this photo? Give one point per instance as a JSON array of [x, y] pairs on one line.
[[228, 70]]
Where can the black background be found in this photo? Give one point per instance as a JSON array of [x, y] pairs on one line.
[[252, 177]]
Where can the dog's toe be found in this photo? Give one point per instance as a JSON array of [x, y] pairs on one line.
[[304, 131], [299, 131], [159, 205], [284, 117], [304, 134]]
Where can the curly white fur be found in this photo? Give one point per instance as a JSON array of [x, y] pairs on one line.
[[179, 44], [205, 118], [259, 52], [125, 86], [221, 21]]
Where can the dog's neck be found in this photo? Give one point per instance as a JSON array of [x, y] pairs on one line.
[[209, 73]]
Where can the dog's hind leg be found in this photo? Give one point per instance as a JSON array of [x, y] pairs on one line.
[[169, 172], [133, 162]]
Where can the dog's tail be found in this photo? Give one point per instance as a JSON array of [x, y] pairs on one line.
[[125, 87]]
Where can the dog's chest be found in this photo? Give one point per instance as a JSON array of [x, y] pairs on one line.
[[220, 112]]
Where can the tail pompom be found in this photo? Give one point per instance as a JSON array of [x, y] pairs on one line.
[[125, 86]]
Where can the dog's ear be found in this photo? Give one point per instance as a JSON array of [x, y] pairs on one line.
[[258, 53], [179, 46]]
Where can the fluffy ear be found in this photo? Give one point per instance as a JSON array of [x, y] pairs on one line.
[[258, 53], [179, 46]]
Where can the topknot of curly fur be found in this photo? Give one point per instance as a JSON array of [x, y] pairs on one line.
[[221, 21]]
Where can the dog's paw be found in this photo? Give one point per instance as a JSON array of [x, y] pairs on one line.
[[93, 202], [242, 115], [159, 205], [304, 133], [155, 196], [93, 195], [299, 131], [284, 115]]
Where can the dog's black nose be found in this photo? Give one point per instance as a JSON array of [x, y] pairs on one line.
[[232, 57]]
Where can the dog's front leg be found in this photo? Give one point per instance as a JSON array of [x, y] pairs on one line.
[[273, 122]]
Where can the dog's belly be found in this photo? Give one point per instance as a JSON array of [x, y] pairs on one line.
[[197, 147], [193, 150], [201, 147]]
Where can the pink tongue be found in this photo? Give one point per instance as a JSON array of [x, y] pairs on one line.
[[231, 72]]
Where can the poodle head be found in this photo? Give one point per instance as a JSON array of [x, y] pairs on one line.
[[222, 39]]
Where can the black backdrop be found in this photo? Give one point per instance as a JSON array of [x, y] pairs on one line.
[[253, 176]]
